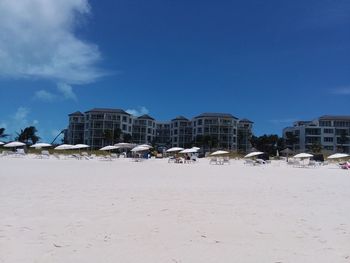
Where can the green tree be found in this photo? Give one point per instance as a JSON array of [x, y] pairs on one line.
[[316, 147], [2, 133], [291, 140], [343, 139], [28, 135], [111, 136], [267, 143], [127, 138]]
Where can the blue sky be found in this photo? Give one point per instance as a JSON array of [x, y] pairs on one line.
[[272, 62]]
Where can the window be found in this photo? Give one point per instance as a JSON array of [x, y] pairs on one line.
[[200, 122], [124, 118], [199, 130], [124, 127], [328, 139], [328, 131]]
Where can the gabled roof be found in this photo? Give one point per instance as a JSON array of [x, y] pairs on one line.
[[146, 116], [105, 110], [180, 118], [245, 120], [216, 115], [77, 113], [335, 117]]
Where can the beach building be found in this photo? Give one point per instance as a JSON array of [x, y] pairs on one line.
[[106, 126], [330, 132], [143, 129], [181, 132], [244, 134], [75, 132], [99, 127], [219, 128]]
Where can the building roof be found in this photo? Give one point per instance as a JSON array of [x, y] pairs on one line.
[[245, 120], [77, 113], [105, 110], [180, 118], [335, 117], [146, 116], [216, 115]]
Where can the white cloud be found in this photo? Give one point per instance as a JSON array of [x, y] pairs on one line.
[[341, 91], [38, 40], [21, 115], [44, 95], [67, 91], [139, 111]]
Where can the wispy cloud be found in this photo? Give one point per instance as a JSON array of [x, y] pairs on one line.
[[67, 91], [38, 41], [341, 91], [44, 95], [138, 111]]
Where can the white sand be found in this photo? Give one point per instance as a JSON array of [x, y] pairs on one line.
[[120, 211]]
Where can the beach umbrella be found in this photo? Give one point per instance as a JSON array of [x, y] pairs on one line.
[[64, 147], [80, 146], [1, 143], [338, 156], [125, 145], [139, 149], [40, 145], [174, 149], [146, 146], [303, 155], [189, 151], [108, 148], [196, 148], [219, 153], [14, 144], [253, 154]]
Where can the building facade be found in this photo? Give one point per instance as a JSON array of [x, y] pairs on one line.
[[244, 134], [99, 127], [331, 133]]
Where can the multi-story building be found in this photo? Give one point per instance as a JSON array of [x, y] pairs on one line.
[[332, 133], [163, 134], [221, 127], [144, 129], [244, 134], [75, 132], [181, 132], [100, 127], [106, 126]]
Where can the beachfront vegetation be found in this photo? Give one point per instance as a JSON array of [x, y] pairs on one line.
[[2, 133], [28, 135]]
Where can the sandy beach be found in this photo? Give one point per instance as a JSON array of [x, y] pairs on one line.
[[153, 211]]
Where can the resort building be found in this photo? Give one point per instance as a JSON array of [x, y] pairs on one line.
[[75, 132], [143, 129], [181, 132], [330, 133], [218, 130], [99, 127], [105, 126], [244, 134]]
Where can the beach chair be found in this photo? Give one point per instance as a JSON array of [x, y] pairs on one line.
[[44, 154], [213, 160], [249, 162], [226, 160], [20, 153], [171, 159]]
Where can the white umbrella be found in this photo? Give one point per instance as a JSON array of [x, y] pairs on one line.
[[139, 149], [146, 146], [40, 145], [196, 148], [80, 146], [64, 147], [252, 154], [108, 148], [219, 153], [338, 156], [189, 151], [303, 155], [124, 145], [1, 143], [14, 144], [174, 149]]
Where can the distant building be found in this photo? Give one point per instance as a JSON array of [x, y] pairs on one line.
[[75, 132], [244, 134], [99, 127], [332, 133], [143, 129], [99, 122], [221, 127]]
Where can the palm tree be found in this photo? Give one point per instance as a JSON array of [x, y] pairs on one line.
[[291, 139], [2, 133], [28, 135]]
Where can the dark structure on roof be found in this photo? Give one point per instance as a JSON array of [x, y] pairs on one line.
[[245, 120], [180, 118], [215, 115], [77, 113], [106, 110], [146, 117], [335, 117]]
